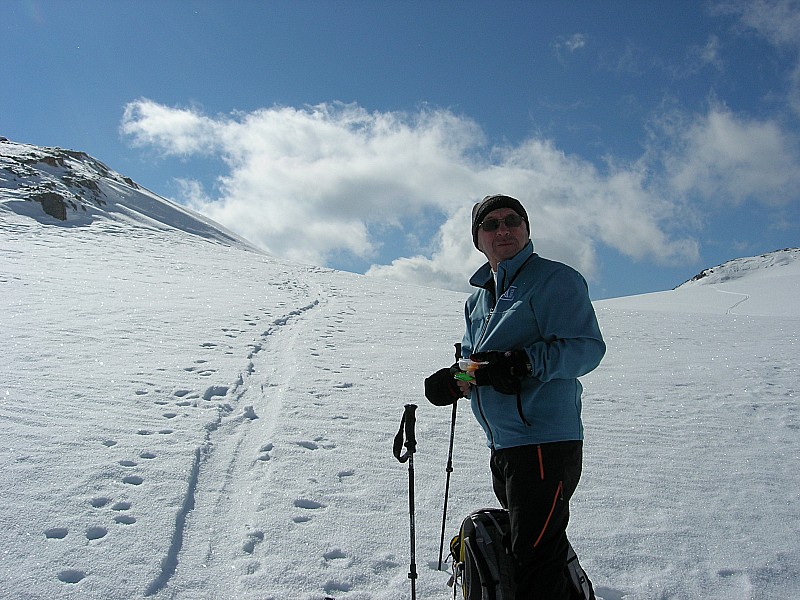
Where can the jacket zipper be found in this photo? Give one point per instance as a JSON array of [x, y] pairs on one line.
[[494, 294], [477, 389], [483, 416], [519, 410], [483, 334]]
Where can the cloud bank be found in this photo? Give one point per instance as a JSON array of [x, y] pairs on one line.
[[317, 182]]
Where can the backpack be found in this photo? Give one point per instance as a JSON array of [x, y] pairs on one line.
[[483, 566]]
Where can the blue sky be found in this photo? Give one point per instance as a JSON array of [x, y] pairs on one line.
[[648, 140]]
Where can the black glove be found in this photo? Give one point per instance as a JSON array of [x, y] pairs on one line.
[[504, 371], [441, 389]]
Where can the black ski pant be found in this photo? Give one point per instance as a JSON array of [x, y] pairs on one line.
[[534, 483]]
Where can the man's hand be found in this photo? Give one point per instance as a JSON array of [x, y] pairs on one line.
[[465, 387], [441, 389], [504, 370]]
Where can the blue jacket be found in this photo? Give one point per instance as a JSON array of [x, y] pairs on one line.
[[542, 307]]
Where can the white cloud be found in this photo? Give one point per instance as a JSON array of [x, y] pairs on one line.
[[175, 131], [729, 159], [315, 182], [568, 45], [575, 42], [778, 21], [304, 183], [453, 259], [698, 58]]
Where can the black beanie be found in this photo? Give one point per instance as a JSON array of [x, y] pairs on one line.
[[490, 203]]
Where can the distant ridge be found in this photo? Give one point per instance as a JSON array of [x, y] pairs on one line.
[[740, 267], [70, 187]]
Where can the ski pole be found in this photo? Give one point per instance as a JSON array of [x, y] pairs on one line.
[[407, 425], [447, 483], [449, 468]]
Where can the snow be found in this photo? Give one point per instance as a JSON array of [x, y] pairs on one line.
[[183, 417]]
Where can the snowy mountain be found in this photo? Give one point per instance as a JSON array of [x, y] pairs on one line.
[[768, 284], [183, 417], [741, 267], [78, 190]]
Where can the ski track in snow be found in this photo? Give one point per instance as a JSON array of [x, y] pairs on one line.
[[237, 452], [732, 308]]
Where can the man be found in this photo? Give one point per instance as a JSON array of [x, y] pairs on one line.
[[533, 327]]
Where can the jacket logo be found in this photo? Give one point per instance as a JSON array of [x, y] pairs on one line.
[[509, 293]]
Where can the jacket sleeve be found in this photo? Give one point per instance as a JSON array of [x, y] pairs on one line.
[[571, 344]]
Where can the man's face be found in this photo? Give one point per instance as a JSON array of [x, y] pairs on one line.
[[504, 242]]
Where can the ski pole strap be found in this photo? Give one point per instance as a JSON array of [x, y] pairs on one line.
[[406, 431]]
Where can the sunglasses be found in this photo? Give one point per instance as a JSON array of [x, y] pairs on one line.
[[511, 221]]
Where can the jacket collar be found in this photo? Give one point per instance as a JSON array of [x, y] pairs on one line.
[[483, 277]]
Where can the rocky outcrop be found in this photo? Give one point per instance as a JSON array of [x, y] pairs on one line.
[[62, 181]]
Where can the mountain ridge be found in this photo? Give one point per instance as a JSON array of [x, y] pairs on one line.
[[737, 268], [73, 189]]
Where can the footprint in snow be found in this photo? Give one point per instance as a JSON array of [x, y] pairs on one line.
[[109, 443], [254, 538], [316, 444], [124, 520], [343, 474], [265, 452], [334, 586], [56, 533], [215, 390], [308, 504], [95, 533], [388, 562], [301, 519], [71, 575], [334, 554]]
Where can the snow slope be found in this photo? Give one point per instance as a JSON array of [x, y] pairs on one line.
[[182, 417]]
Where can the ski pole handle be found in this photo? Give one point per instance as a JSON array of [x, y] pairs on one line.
[[407, 431]]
